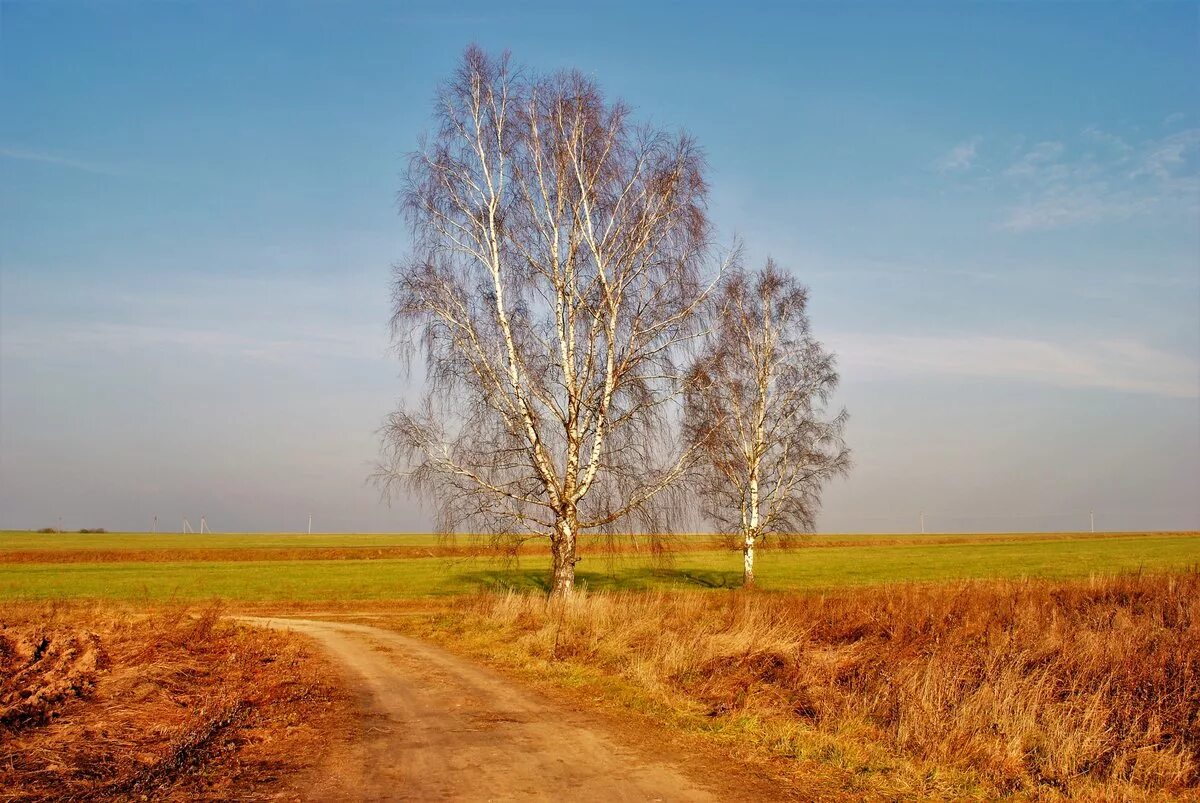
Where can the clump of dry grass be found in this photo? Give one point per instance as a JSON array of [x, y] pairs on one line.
[[1035, 688], [106, 704]]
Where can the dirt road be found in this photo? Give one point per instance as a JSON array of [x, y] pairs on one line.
[[437, 727]]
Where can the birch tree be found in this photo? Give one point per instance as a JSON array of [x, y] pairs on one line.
[[756, 408], [557, 272]]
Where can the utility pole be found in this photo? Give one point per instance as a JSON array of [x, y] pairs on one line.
[[1092, 519], [310, 524], [922, 522], [154, 526]]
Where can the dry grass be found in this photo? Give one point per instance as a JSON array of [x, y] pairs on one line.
[[1033, 689], [101, 703]]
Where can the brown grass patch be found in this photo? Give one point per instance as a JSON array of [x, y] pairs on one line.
[[1037, 689], [105, 703]]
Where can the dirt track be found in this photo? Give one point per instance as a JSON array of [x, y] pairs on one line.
[[437, 727]]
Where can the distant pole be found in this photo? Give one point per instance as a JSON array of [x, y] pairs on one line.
[[922, 522], [154, 526], [1092, 519], [310, 524]]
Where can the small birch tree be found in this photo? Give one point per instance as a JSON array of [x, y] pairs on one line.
[[756, 410], [556, 275]]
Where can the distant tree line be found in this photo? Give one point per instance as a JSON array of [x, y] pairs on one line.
[[85, 530]]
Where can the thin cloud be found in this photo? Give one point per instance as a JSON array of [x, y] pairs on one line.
[[1116, 365], [959, 158], [1106, 139], [1066, 206], [1167, 156], [1099, 177], [1032, 275], [44, 157], [1038, 163], [295, 344], [1103, 179]]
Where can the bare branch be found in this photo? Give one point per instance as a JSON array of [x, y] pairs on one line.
[[755, 408], [555, 284]]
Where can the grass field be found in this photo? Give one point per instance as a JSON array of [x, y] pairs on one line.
[[927, 667], [26, 541], [283, 567]]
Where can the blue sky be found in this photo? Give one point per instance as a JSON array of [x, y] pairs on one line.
[[995, 207]]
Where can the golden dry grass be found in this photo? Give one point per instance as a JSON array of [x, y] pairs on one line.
[[101, 703], [1035, 689]]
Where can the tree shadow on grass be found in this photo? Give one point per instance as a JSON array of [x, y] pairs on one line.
[[639, 579]]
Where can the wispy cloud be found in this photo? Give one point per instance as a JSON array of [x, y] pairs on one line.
[[292, 344], [1106, 139], [1065, 206], [1120, 365], [1167, 157], [59, 160], [1101, 179], [958, 158], [1037, 163], [1096, 177]]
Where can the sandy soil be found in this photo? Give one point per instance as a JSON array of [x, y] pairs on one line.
[[437, 727]]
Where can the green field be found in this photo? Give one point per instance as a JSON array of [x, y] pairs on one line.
[[826, 562], [25, 540]]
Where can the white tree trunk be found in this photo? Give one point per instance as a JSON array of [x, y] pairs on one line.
[[748, 561], [562, 549]]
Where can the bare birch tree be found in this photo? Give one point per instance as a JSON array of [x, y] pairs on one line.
[[756, 408], [557, 272]]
